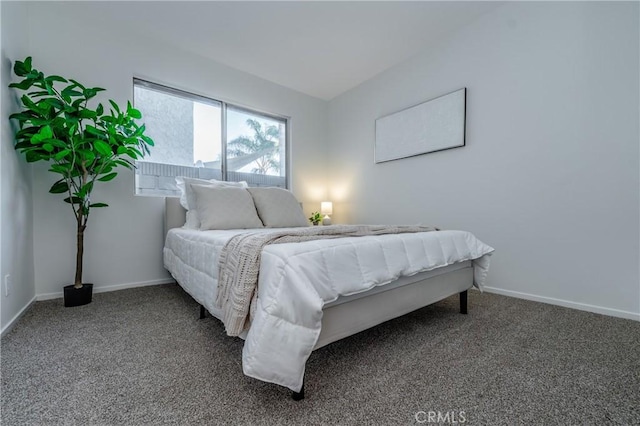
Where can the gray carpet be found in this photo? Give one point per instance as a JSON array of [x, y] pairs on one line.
[[141, 356]]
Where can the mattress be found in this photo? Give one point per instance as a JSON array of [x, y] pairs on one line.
[[191, 256]]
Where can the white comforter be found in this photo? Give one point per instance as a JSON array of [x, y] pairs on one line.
[[296, 280]]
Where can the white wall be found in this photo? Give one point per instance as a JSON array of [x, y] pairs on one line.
[[16, 230], [550, 173], [123, 242], [549, 176]]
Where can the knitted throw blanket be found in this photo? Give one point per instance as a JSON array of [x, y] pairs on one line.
[[240, 263]]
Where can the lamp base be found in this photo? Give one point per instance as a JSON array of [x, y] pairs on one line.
[[326, 220]]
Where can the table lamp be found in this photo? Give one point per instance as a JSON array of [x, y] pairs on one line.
[[326, 208]]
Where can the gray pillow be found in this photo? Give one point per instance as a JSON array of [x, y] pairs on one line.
[[278, 208], [225, 208]]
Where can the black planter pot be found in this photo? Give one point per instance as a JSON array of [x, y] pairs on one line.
[[77, 296]]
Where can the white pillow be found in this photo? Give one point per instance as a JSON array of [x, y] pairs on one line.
[[182, 181], [278, 208], [187, 199], [225, 208]]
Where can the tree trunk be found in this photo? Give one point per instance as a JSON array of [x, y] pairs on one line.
[[79, 253]]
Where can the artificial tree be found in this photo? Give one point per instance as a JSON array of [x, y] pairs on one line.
[[83, 144]]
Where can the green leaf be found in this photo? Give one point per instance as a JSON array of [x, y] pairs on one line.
[[87, 113], [63, 169], [49, 88], [47, 147], [23, 116], [23, 85], [32, 157], [87, 156], [85, 190], [100, 109], [106, 169], [136, 154], [99, 205], [39, 93], [22, 145], [135, 113], [27, 64], [59, 156], [89, 93], [39, 121], [107, 178], [59, 187], [56, 103], [103, 148], [139, 130], [94, 131], [29, 104], [53, 78], [115, 106], [20, 69], [44, 134], [76, 84], [72, 128], [69, 92], [57, 143], [73, 200], [124, 162]]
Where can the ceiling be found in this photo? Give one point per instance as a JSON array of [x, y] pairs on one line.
[[320, 48]]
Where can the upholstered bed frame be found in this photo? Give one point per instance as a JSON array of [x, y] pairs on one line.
[[353, 314]]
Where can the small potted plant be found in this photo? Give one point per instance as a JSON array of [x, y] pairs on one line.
[[82, 144], [315, 218]]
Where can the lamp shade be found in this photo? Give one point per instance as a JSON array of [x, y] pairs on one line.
[[326, 207]]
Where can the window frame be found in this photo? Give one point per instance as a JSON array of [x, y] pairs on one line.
[[223, 104]]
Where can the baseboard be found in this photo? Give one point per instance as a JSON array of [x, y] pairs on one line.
[[7, 328], [106, 288], [565, 303]]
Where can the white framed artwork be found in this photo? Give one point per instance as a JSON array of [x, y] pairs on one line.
[[435, 125]]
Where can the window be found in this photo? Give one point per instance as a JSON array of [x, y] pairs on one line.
[[205, 138]]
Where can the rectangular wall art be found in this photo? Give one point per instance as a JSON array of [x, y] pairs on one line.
[[431, 126]]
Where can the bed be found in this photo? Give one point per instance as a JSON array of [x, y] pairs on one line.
[[191, 256]]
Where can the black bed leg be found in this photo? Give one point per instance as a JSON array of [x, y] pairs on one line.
[[463, 302], [203, 312], [298, 396]]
